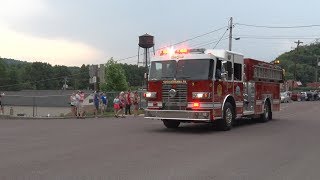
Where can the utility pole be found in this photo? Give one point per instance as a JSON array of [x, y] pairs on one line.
[[295, 62], [230, 33]]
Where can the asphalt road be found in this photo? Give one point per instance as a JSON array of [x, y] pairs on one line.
[[287, 147]]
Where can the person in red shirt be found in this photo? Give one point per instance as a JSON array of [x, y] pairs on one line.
[[1, 106], [128, 102]]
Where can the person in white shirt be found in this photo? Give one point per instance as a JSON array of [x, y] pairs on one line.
[[78, 104], [73, 104]]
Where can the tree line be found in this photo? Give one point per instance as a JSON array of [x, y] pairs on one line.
[[302, 60], [19, 75]]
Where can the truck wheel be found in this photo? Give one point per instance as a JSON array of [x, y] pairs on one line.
[[225, 124], [267, 114], [171, 124]]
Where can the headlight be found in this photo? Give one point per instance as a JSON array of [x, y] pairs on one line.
[[201, 95], [150, 95]]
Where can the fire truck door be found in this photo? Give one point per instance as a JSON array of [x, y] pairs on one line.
[[248, 95]]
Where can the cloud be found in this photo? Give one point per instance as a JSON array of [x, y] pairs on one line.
[[20, 44], [54, 51], [21, 9]]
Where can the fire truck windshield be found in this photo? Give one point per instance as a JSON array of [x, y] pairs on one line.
[[162, 70], [194, 69]]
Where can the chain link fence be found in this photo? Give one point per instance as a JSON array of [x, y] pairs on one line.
[[51, 103]]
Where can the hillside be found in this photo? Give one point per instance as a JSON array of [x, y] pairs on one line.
[[306, 61], [12, 61]]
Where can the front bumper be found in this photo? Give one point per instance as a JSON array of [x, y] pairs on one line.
[[181, 115]]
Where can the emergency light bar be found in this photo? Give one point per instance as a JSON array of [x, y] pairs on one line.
[[182, 51], [164, 52]]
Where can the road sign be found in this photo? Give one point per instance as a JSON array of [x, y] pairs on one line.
[[93, 70], [93, 80]]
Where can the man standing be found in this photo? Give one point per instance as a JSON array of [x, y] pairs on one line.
[[128, 103], [96, 100], [104, 103], [78, 103], [1, 106], [73, 104], [81, 106]]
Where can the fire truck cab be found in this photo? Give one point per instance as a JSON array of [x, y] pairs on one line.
[[206, 85]]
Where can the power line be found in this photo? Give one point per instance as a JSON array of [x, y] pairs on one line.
[[186, 40], [293, 36], [265, 38], [198, 45], [208, 43], [221, 38], [278, 27]]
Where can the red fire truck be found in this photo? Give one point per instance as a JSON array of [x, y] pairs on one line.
[[207, 85]]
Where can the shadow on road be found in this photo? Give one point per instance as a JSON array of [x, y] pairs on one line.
[[207, 128]]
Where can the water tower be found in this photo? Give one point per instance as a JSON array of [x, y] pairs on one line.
[[146, 42]]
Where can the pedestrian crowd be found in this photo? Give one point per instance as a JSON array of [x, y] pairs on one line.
[[122, 103], [76, 102]]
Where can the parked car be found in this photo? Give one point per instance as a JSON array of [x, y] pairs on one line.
[[285, 97], [315, 95], [303, 96], [296, 97], [309, 96]]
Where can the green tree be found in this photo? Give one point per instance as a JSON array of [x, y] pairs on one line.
[[305, 60], [134, 74], [40, 76], [14, 80], [115, 77], [60, 72], [81, 81], [3, 75]]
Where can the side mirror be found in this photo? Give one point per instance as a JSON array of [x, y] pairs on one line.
[[224, 75], [145, 76]]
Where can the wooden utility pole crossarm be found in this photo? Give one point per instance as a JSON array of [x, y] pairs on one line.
[[295, 62]]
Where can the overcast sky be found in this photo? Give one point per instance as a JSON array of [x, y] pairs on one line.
[[75, 32]]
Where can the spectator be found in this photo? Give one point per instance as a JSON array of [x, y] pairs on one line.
[[116, 106], [136, 100], [1, 106], [122, 103], [104, 102], [96, 101], [81, 104], [128, 102], [78, 104], [73, 104]]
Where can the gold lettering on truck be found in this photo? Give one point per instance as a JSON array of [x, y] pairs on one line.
[[175, 82]]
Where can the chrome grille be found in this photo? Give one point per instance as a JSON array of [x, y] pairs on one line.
[[180, 100]]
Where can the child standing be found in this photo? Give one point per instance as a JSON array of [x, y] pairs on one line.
[[116, 106]]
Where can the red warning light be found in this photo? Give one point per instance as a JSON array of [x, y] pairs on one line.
[[196, 104]]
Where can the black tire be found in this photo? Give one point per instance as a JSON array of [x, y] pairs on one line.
[[225, 124], [267, 114], [171, 124]]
